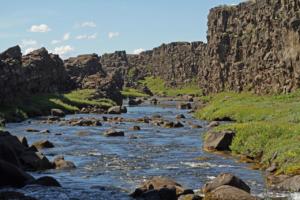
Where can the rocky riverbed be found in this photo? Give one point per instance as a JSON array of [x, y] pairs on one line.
[[112, 167]]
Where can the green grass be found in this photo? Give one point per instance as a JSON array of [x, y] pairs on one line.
[[41, 104], [131, 92], [265, 126], [158, 87]]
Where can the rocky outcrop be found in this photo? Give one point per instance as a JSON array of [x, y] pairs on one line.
[[37, 72], [253, 46]]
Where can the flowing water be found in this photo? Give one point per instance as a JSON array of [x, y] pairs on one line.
[[112, 167]]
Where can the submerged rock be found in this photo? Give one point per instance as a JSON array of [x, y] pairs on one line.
[[113, 133]]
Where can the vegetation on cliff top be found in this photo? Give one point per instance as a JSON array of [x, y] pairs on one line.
[[131, 92], [41, 104], [158, 87], [267, 127]]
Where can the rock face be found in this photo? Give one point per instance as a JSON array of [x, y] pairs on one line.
[[37, 72]]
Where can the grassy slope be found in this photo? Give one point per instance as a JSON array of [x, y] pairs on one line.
[[131, 92], [265, 125], [158, 87], [42, 103]]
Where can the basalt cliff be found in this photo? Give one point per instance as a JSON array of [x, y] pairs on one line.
[[253, 46]]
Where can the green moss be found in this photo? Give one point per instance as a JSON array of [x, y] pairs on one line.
[[158, 87], [265, 126], [41, 104], [131, 92]]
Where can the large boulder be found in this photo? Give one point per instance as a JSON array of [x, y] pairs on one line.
[[227, 192], [291, 184], [225, 179], [159, 188], [13, 176], [219, 141], [35, 161]]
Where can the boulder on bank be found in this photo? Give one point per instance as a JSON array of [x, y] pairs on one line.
[[159, 188], [225, 179], [213, 124], [117, 110], [219, 141], [13, 176], [57, 112], [227, 192], [291, 184], [134, 101], [113, 133]]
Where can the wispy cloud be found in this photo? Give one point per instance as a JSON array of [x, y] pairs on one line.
[[112, 35], [65, 37], [138, 51], [87, 37], [63, 50], [42, 28], [89, 24]]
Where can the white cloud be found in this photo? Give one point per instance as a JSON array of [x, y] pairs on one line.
[[138, 51], [63, 50], [42, 28], [66, 36], [87, 37], [29, 50], [113, 34], [55, 41], [88, 24], [28, 42]]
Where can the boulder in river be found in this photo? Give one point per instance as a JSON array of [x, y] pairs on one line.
[[227, 192], [12, 195], [57, 112], [226, 179], [159, 188], [113, 133], [35, 161], [134, 101], [62, 164], [43, 144], [46, 181], [184, 106], [135, 128], [219, 141]]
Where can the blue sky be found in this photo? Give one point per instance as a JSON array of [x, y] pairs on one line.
[[72, 27]]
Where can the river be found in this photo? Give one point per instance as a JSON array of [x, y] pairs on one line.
[[112, 167]]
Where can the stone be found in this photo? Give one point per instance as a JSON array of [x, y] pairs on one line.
[[12, 195], [180, 116], [113, 133], [23, 141], [135, 128], [165, 188], [12, 175], [57, 112], [117, 110], [219, 141], [35, 161], [61, 164], [32, 130], [190, 197], [134, 102], [225, 179], [46, 181], [154, 101], [291, 184], [227, 192], [184, 106], [43, 144]]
